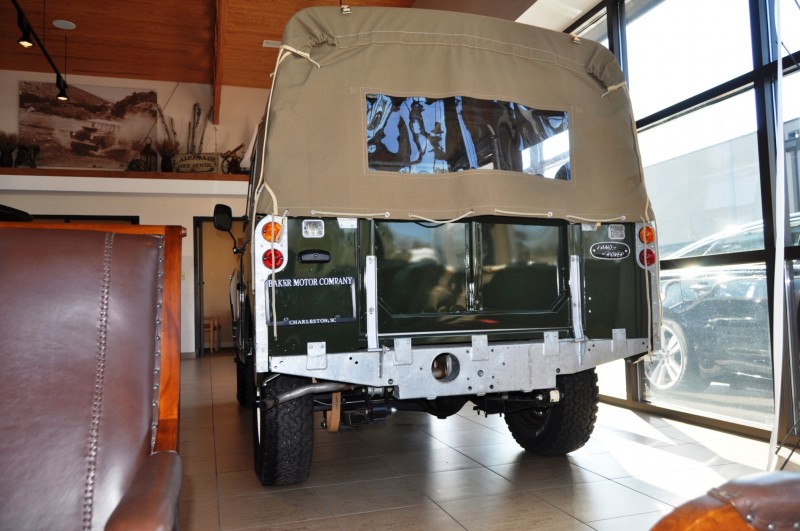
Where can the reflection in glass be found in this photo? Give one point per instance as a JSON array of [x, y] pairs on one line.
[[440, 135], [715, 356], [518, 267], [421, 267], [793, 315], [791, 138], [702, 176], [791, 132]]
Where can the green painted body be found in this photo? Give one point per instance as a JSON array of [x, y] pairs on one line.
[[507, 278]]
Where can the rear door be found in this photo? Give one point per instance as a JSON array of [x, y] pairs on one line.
[[495, 276]]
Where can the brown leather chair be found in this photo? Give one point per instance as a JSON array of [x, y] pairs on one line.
[[767, 501], [90, 327]]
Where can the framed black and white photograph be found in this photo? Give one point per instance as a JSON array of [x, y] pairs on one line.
[[98, 128]]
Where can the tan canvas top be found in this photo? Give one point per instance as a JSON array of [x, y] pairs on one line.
[[316, 156]]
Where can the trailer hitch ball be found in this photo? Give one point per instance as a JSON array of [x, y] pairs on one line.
[[445, 367]]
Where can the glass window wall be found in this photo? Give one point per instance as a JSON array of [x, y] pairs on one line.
[[702, 176], [678, 48], [794, 359], [705, 141], [789, 24], [716, 358], [791, 136]]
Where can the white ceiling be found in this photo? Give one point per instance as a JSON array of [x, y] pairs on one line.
[[556, 14]]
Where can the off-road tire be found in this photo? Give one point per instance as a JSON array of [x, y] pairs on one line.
[[283, 437], [564, 427]]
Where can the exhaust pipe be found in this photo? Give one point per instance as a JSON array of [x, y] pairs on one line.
[[323, 387]]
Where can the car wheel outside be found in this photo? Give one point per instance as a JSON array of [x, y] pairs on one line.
[[283, 436], [672, 366], [564, 427]]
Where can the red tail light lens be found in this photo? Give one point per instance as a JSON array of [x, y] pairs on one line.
[[272, 258], [647, 257]]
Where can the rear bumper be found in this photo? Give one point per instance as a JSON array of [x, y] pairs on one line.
[[474, 369]]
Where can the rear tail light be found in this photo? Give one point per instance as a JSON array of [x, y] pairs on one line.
[[272, 258], [272, 243], [647, 246], [647, 257]]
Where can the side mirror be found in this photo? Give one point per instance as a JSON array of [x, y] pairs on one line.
[[223, 218]]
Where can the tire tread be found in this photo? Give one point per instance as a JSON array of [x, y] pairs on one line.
[[283, 454], [565, 427]]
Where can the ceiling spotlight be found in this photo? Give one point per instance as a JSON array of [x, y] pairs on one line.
[[25, 41], [61, 83]]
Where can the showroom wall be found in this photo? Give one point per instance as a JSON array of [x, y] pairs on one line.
[[240, 108], [155, 201]]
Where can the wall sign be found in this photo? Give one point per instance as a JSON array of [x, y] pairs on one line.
[[610, 250]]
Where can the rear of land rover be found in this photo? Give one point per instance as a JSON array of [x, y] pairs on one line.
[[359, 318], [486, 305], [444, 209]]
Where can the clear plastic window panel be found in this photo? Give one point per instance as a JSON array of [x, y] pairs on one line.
[[459, 133]]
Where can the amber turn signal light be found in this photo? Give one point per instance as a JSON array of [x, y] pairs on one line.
[[271, 231], [647, 235]]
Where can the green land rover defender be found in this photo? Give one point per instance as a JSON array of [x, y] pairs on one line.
[[443, 209]]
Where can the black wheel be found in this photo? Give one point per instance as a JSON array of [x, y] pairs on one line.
[[245, 381], [283, 437], [672, 367], [564, 427]]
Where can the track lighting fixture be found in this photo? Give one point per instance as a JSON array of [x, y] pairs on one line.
[[61, 83], [25, 41], [28, 39]]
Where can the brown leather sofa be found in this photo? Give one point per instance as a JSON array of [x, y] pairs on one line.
[[89, 328], [766, 501]]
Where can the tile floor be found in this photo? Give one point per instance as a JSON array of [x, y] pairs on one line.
[[466, 472]]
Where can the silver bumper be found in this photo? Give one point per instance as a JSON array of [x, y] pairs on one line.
[[474, 369]]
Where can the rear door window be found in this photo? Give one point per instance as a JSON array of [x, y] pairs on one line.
[[458, 133]]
